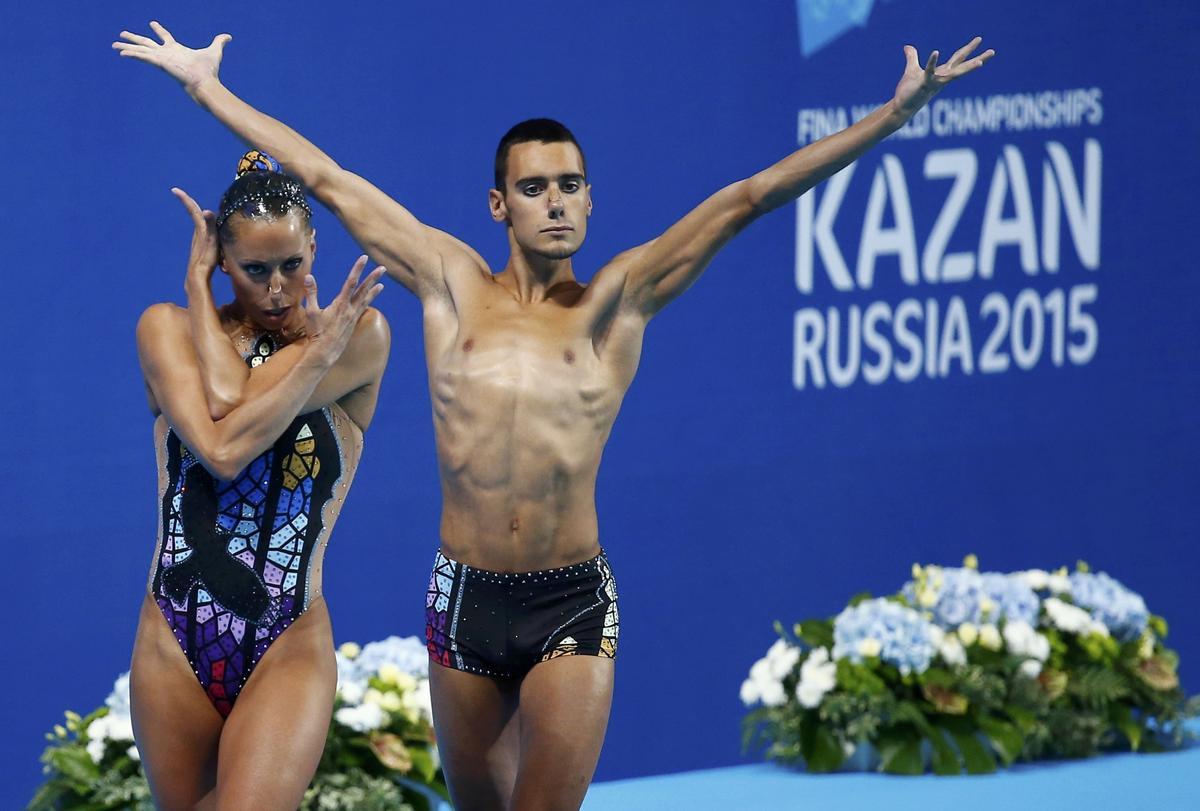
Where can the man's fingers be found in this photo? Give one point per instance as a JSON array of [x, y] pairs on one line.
[[910, 57], [972, 64], [965, 51], [162, 32], [136, 51], [219, 42], [931, 65], [138, 39]]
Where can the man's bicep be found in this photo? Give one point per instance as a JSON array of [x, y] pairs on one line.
[[665, 267], [387, 231]]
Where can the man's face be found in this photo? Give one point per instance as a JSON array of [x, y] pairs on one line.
[[547, 200]]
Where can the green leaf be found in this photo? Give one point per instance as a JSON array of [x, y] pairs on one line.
[[1159, 626], [1025, 720], [939, 677], [815, 633], [1005, 738], [861, 597], [944, 759], [821, 751], [900, 752], [75, 764], [422, 764], [975, 755], [1122, 718], [48, 796]]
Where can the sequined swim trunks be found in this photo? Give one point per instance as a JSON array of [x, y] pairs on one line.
[[502, 624]]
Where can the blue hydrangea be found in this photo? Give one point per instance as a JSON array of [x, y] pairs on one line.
[[904, 637], [1122, 611], [957, 598], [408, 654], [1013, 598], [961, 593]]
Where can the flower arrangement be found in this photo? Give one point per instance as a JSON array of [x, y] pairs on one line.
[[962, 670], [379, 754]]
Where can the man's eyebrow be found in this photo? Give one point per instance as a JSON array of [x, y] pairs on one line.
[[542, 179]]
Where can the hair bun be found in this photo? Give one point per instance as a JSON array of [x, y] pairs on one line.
[[256, 161]]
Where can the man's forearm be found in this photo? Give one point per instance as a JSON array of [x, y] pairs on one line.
[[805, 168], [294, 152]]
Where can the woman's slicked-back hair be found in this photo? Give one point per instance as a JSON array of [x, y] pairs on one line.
[[261, 190], [542, 130]]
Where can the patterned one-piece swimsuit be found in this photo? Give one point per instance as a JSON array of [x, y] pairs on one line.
[[237, 562]]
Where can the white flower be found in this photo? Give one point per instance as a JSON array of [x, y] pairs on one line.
[[773, 694], [782, 657], [1023, 640], [1059, 582], [95, 748], [1067, 617], [419, 701], [1031, 668], [352, 692], [968, 633], [389, 673], [869, 647], [363, 718], [818, 675], [952, 651], [350, 650], [111, 727], [986, 606], [133, 752], [989, 637], [392, 702], [936, 635], [1036, 579], [763, 685], [770, 686], [927, 598], [749, 692], [373, 696], [118, 699]]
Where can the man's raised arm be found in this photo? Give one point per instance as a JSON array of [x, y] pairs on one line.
[[658, 271], [416, 255]]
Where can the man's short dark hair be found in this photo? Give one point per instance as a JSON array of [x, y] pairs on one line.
[[543, 130]]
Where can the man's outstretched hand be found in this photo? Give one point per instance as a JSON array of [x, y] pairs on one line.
[[919, 84], [188, 66]]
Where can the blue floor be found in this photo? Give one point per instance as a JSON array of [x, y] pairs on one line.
[[1127, 782]]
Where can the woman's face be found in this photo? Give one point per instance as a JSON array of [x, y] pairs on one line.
[[267, 261]]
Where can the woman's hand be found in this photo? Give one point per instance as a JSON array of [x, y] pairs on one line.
[[206, 250], [329, 329]]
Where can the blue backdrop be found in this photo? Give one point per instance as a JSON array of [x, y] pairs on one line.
[[982, 339]]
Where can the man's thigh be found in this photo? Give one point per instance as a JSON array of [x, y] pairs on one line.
[[477, 734], [563, 715]]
